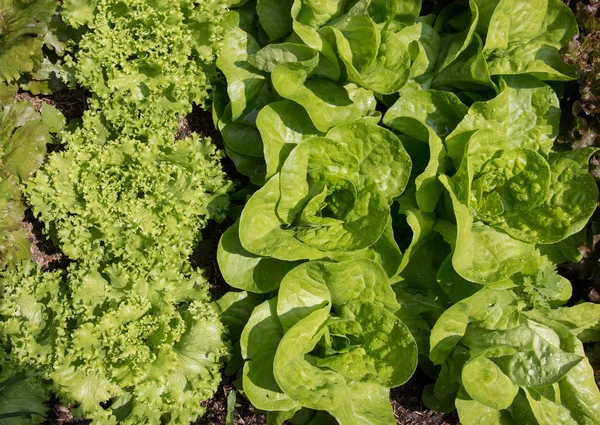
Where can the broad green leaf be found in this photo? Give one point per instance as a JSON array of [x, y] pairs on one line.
[[259, 341], [240, 137], [456, 25], [24, 25], [514, 21], [469, 71], [235, 308], [486, 383], [14, 245], [24, 136], [53, 118], [472, 412], [380, 153], [490, 309], [531, 43], [320, 388], [362, 226], [384, 252], [407, 12], [22, 400], [247, 271], [315, 13], [251, 166], [275, 17], [303, 291], [546, 410], [328, 104], [571, 202], [428, 116], [579, 393], [583, 320], [279, 417], [358, 39], [267, 58], [482, 254], [282, 125], [525, 112], [244, 82], [423, 47]]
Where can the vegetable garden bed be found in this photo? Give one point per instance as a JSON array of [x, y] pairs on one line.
[[385, 213]]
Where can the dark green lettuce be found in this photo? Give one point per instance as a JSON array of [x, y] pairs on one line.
[[23, 136]]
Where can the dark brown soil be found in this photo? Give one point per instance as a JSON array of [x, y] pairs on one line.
[[410, 410], [216, 409], [43, 250]]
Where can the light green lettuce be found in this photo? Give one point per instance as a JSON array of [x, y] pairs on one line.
[[327, 325], [503, 363]]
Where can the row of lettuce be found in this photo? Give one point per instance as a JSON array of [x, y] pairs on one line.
[[408, 209], [126, 333], [411, 210]]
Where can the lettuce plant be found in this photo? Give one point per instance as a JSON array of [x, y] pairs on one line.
[[107, 342], [319, 344], [510, 190], [23, 29], [129, 334], [163, 63], [332, 194], [325, 76], [508, 37], [126, 198], [27, 338], [505, 363], [487, 208]]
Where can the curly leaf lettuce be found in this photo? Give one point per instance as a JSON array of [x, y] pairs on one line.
[[105, 344], [164, 63], [132, 198]]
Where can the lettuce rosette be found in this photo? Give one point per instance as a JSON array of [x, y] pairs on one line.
[[511, 192], [484, 39], [108, 198], [330, 199], [126, 346], [165, 61], [312, 67], [318, 344], [504, 363]]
